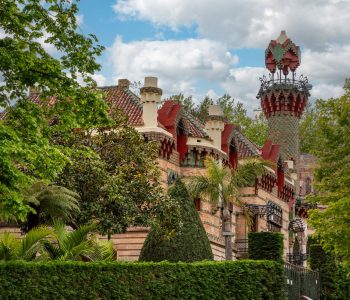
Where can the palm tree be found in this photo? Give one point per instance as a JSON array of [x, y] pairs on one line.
[[51, 202], [24, 248], [221, 186], [78, 244], [57, 243]]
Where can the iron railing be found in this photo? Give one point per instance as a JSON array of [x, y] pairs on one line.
[[301, 84], [296, 258], [302, 282], [242, 246]]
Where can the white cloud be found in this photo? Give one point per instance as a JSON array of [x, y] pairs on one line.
[[178, 64], [319, 26], [100, 79], [250, 23], [243, 84]]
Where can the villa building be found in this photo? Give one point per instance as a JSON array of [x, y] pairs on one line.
[[184, 142]]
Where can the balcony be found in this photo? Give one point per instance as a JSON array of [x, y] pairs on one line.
[[296, 258], [242, 248]]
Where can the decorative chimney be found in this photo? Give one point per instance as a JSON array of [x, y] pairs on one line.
[[123, 83], [215, 124], [150, 97]]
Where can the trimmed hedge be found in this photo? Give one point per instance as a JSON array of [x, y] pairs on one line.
[[190, 244], [265, 245], [202, 280]]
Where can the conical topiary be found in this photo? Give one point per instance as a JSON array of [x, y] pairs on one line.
[[191, 243]]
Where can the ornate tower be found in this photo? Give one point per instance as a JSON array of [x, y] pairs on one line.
[[283, 98]]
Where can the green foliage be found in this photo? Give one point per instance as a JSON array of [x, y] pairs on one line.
[[51, 203], [30, 149], [117, 180], [223, 183], [190, 243], [243, 280], [77, 245], [56, 243], [26, 248], [265, 245], [335, 278], [221, 186], [332, 175]]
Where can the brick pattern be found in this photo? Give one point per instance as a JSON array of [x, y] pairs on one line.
[[284, 131]]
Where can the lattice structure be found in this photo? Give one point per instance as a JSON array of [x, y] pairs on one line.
[[267, 182]]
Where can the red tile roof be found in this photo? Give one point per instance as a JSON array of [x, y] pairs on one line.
[[126, 101], [171, 113]]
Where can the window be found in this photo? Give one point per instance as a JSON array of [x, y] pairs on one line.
[[274, 217]]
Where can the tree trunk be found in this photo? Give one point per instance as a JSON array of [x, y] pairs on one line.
[[227, 232]]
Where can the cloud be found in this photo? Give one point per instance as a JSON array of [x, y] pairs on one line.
[[243, 84], [250, 23], [319, 26], [100, 79], [178, 64]]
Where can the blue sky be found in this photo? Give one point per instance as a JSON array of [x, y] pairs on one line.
[[202, 47]]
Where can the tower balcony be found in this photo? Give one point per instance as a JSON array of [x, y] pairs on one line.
[[278, 83], [283, 96]]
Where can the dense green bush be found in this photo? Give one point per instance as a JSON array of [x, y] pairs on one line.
[[191, 243], [265, 245], [243, 280], [334, 277]]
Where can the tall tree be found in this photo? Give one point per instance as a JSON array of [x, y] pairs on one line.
[[118, 181], [29, 147], [221, 186], [332, 176]]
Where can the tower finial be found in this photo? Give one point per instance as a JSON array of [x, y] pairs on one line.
[[282, 38], [282, 54]]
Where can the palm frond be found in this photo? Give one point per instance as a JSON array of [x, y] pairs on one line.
[[75, 237], [8, 246], [32, 242], [201, 186], [216, 173]]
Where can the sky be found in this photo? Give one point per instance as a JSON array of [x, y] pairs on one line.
[[206, 47]]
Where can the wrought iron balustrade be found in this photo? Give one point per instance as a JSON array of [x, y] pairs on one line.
[[302, 84], [242, 246], [296, 258]]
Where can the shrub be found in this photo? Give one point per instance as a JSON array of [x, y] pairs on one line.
[[241, 280], [334, 277], [265, 245], [191, 243]]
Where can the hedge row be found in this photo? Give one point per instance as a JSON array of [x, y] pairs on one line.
[[265, 245], [202, 280]]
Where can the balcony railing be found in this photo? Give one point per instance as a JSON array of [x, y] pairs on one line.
[[242, 247], [296, 258], [301, 84]]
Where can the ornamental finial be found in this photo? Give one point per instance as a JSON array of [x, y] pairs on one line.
[[282, 54]]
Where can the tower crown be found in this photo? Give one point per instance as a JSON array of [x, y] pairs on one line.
[[283, 95], [282, 54]]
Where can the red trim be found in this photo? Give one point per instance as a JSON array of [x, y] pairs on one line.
[[181, 146], [197, 203]]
